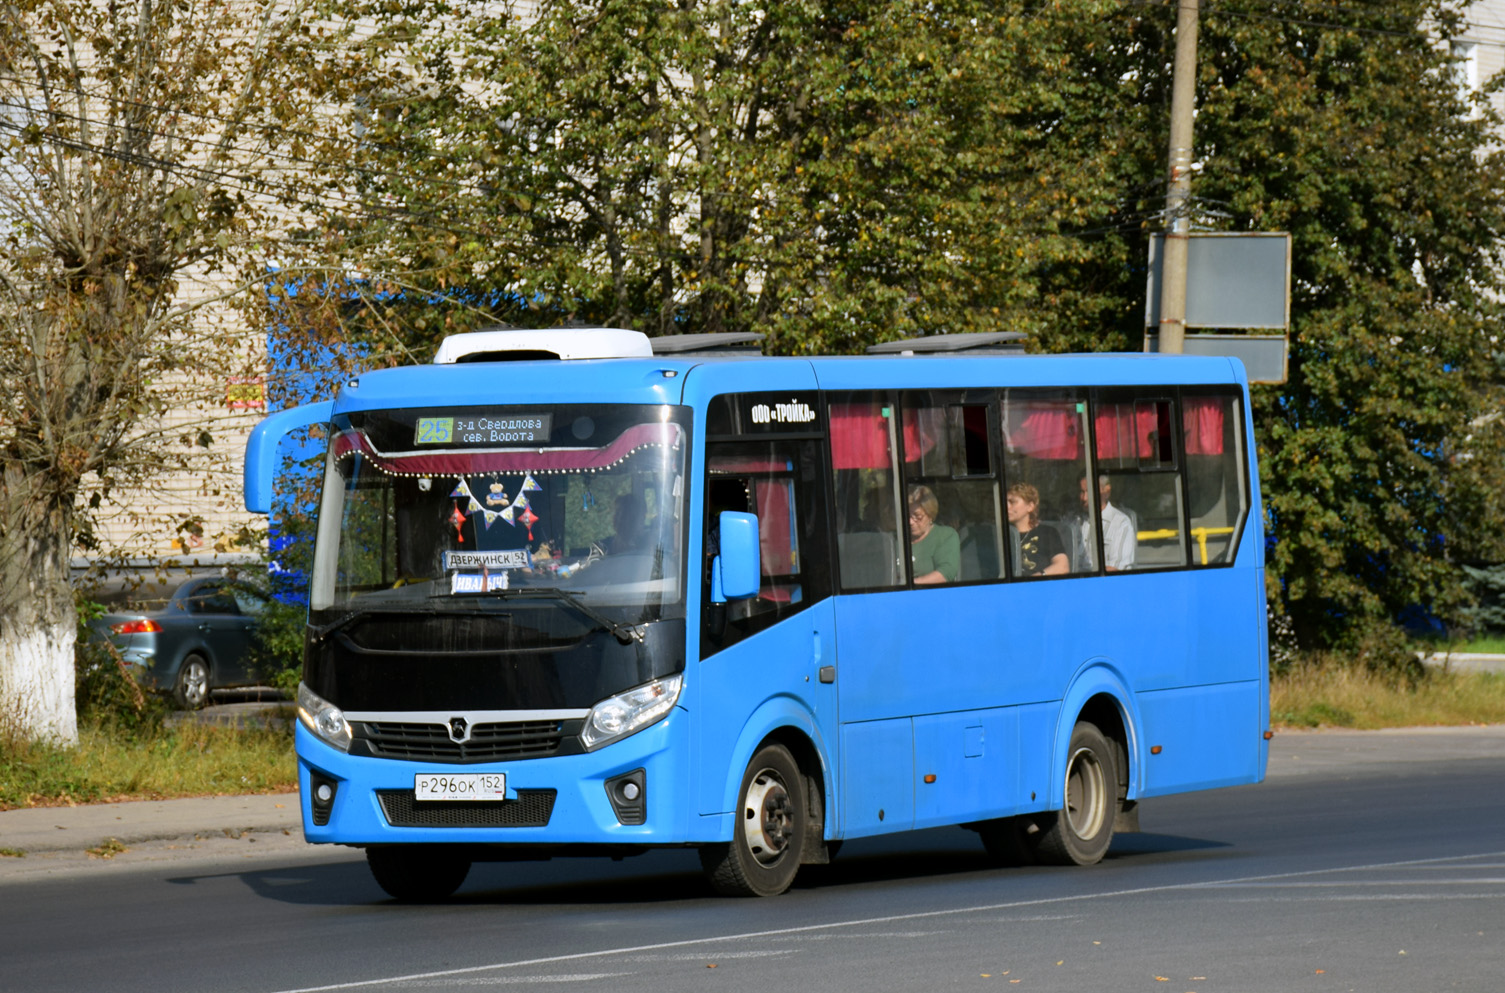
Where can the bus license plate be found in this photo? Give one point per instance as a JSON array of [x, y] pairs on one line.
[[460, 786]]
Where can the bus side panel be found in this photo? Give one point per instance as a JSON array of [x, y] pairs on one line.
[[946, 649], [1208, 736], [965, 766], [878, 778]]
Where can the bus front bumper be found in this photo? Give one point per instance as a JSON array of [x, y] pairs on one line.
[[554, 801]]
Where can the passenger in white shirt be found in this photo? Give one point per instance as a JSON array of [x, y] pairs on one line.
[[1119, 539]]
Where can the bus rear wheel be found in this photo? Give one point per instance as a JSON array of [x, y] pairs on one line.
[[417, 873], [1081, 831], [768, 840]]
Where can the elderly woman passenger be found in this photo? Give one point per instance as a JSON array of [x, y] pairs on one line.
[[935, 549]]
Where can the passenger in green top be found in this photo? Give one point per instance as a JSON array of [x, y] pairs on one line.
[[936, 549]]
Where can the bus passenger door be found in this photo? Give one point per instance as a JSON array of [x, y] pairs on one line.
[[767, 662]]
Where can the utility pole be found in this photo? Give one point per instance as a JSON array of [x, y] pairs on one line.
[[1178, 195]]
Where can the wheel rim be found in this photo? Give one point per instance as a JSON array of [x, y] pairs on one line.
[[195, 683], [1086, 805], [767, 817]]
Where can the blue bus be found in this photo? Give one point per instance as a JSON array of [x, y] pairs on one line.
[[571, 596]]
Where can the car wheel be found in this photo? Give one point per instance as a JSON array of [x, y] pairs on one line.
[[192, 688], [417, 873], [768, 841]]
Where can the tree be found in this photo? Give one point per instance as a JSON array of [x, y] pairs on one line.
[[1345, 126], [829, 174], [132, 135]]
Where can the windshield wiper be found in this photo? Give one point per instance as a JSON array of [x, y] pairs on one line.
[[625, 633], [359, 613]]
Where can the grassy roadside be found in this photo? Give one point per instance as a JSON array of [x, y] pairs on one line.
[[1355, 697], [114, 763]]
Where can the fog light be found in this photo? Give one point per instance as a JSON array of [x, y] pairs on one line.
[[321, 799], [628, 796]]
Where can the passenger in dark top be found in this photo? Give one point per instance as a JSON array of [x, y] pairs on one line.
[[1040, 549]]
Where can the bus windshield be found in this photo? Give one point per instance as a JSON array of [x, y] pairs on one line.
[[423, 509]]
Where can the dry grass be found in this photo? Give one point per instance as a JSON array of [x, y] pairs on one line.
[[1353, 697], [186, 760]]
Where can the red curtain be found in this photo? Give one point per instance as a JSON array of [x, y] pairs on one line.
[[1049, 431], [1204, 425], [859, 437]]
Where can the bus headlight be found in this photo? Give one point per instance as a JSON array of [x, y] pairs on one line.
[[630, 712], [323, 718]]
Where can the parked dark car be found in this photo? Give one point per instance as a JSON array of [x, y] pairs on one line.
[[198, 642]]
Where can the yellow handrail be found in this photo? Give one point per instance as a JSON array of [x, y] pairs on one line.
[[1200, 534]]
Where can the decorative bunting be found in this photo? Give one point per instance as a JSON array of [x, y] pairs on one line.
[[461, 492], [530, 485]]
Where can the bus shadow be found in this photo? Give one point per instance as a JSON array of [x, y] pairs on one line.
[[673, 876]]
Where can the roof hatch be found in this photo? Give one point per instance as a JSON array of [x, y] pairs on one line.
[[522, 344]]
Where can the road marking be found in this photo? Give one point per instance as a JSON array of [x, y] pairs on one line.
[[426, 977]]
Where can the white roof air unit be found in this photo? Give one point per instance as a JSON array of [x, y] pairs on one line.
[[498, 345]]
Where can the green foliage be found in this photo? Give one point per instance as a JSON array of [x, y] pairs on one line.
[[278, 651], [1486, 586]]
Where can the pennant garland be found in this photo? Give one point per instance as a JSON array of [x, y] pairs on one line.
[[519, 511]]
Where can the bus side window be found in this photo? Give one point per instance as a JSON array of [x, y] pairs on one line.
[[869, 519], [1137, 450], [1045, 462], [948, 458], [1216, 484]]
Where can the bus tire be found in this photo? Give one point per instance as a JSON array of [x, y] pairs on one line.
[[768, 839], [1081, 831], [417, 873]]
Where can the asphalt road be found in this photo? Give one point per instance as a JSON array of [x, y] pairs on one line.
[[1368, 862]]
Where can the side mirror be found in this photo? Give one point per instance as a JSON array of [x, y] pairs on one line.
[[261, 449], [736, 573]]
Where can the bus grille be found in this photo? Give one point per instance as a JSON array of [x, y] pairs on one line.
[[488, 742], [532, 808]]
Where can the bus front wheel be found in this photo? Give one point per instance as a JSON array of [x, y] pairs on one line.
[[1080, 832], [768, 840], [417, 873]]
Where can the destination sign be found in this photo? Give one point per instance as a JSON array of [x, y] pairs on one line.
[[484, 429]]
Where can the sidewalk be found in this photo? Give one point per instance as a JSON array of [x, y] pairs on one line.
[[1467, 662], [77, 829]]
